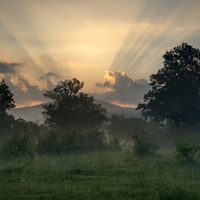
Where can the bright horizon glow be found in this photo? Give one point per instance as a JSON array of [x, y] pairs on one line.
[[124, 105], [30, 104]]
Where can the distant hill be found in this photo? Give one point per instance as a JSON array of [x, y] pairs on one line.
[[33, 113], [113, 109]]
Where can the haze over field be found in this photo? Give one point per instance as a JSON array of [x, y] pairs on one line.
[[113, 46]]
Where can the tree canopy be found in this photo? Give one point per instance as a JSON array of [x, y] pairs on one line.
[[123, 128], [6, 98], [175, 94], [72, 108], [6, 102]]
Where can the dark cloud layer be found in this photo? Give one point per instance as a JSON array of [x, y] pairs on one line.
[[49, 75], [10, 68], [122, 89]]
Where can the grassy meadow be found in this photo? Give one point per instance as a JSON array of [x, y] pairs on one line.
[[100, 175]]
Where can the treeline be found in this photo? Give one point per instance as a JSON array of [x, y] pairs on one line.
[[74, 123], [27, 139]]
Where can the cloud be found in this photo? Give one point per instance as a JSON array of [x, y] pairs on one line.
[[105, 84], [27, 93], [10, 68], [49, 75], [122, 89], [117, 87]]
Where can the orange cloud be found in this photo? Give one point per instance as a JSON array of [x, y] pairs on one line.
[[122, 90]]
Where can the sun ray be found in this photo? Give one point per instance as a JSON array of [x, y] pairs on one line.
[[136, 57], [26, 38], [84, 39], [10, 38]]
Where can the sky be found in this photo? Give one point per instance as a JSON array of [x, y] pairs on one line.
[[111, 45]]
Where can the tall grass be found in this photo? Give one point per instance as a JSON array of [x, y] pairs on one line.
[[100, 175]]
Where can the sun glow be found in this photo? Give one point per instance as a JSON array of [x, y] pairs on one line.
[[124, 105], [30, 103], [144, 46]]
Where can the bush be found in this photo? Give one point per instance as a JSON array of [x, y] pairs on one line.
[[73, 140], [49, 143], [114, 144], [144, 144], [76, 140], [122, 127], [19, 145], [184, 149], [95, 140], [23, 140]]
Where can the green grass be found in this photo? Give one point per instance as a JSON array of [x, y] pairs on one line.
[[100, 175]]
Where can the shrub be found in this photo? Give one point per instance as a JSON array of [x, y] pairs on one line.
[[144, 144], [95, 140], [49, 143], [184, 149], [76, 140], [19, 145], [23, 140], [73, 140], [114, 144], [122, 126]]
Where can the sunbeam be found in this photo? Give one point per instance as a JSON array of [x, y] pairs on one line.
[[16, 47], [142, 48], [52, 40], [26, 40]]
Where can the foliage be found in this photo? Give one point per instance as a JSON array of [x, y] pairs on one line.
[[185, 150], [70, 141], [29, 127], [175, 96], [72, 108], [114, 144], [122, 127], [19, 145], [6, 98], [144, 144], [49, 143], [23, 139], [6, 124], [118, 126], [6, 102]]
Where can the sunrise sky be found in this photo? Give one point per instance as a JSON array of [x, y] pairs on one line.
[[111, 45]]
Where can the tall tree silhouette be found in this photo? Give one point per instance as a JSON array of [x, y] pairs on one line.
[[175, 94], [6, 102], [6, 98], [72, 108]]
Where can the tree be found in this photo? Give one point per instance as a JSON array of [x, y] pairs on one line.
[[175, 94], [72, 108], [6, 98], [6, 102], [122, 127]]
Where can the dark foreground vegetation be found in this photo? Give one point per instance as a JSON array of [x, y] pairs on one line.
[[80, 153], [100, 175]]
